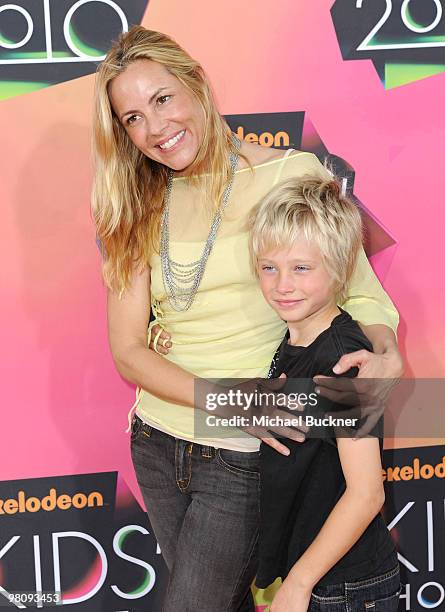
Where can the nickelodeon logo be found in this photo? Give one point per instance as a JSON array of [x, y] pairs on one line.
[[50, 502], [266, 139], [416, 471]]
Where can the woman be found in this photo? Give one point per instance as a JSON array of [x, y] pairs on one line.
[[172, 192]]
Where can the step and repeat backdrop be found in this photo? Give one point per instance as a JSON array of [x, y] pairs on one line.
[[359, 82]]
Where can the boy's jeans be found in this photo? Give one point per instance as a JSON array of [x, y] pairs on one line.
[[203, 505], [378, 594]]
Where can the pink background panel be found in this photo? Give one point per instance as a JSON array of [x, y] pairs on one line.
[[64, 405]]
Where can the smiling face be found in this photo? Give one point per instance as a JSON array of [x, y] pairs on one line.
[[295, 282], [161, 116]]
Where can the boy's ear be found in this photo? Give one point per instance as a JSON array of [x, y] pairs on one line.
[[340, 290]]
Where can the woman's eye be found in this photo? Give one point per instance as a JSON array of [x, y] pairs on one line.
[[301, 268], [162, 99], [131, 119], [267, 268]]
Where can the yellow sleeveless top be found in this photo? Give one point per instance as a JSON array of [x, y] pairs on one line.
[[230, 331]]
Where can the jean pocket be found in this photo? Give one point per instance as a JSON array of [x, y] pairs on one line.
[[332, 603], [384, 604], [236, 462], [139, 429]]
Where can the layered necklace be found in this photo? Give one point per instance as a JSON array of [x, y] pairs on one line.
[[181, 281]]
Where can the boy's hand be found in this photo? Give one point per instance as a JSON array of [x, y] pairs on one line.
[[291, 598]]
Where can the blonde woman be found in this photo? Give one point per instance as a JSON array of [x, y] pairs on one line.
[[172, 192]]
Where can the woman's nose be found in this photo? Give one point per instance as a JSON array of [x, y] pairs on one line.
[[157, 126]]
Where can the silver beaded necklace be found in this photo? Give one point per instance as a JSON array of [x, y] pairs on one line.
[[181, 281]]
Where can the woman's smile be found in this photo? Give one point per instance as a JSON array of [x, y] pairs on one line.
[[171, 142]]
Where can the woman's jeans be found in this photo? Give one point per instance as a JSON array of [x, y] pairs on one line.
[[378, 594], [203, 505]]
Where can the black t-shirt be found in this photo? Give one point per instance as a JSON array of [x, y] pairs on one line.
[[298, 492]]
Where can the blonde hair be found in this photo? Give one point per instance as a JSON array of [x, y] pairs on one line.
[[315, 209], [128, 188]]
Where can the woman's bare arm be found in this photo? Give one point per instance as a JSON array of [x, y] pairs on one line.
[[128, 320]]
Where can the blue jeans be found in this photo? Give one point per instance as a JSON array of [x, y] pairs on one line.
[[378, 594], [203, 505]]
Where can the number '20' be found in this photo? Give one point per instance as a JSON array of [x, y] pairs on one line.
[[365, 46]]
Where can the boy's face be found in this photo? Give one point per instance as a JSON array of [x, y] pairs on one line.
[[295, 281]]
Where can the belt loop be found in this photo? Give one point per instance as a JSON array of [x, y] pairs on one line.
[[208, 452]]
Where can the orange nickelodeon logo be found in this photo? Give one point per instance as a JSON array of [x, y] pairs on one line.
[[416, 471], [266, 139], [52, 501]]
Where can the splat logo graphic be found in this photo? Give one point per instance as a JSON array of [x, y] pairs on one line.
[[44, 42], [79, 540], [405, 39], [295, 130]]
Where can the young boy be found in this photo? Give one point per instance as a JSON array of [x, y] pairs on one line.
[[321, 528]]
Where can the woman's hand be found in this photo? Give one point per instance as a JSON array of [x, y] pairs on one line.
[[291, 597], [369, 391], [372, 365], [163, 343], [263, 433], [250, 401]]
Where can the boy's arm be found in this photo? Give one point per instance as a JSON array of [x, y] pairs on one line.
[[360, 503], [354, 511]]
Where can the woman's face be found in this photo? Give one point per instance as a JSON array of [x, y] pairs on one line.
[[161, 116]]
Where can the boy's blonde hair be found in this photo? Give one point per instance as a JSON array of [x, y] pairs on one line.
[[316, 209]]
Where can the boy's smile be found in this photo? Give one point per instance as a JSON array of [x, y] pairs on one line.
[[287, 304]]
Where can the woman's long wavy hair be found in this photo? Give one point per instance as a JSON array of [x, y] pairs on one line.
[[128, 188]]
